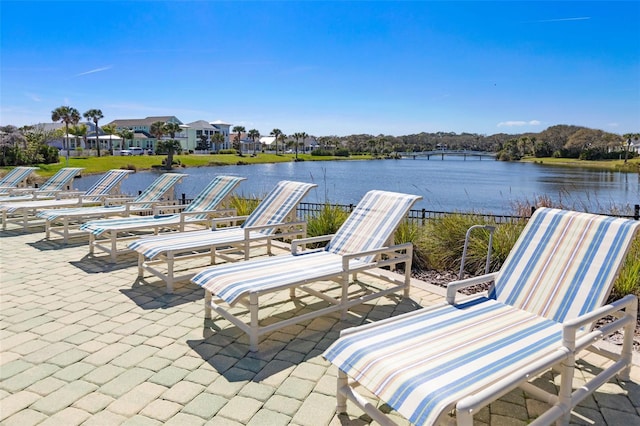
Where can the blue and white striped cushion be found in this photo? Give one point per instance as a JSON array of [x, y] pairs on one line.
[[564, 263], [371, 223], [278, 204], [231, 281], [423, 363], [16, 176]]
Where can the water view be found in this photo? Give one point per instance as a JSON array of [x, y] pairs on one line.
[[452, 184]]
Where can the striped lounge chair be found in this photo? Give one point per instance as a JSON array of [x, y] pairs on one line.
[[24, 212], [55, 186], [63, 221], [363, 242], [201, 210], [465, 354], [275, 217], [16, 178]]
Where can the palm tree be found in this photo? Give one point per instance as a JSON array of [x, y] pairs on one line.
[[217, 139], [79, 130], [111, 129], [254, 134], [304, 137], [276, 133], [68, 115], [125, 134], [297, 137], [95, 115], [239, 130], [158, 130]]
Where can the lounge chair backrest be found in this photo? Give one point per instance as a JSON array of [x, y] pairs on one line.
[[372, 223], [16, 176], [278, 205], [154, 192], [564, 263], [61, 179], [108, 183], [213, 195]]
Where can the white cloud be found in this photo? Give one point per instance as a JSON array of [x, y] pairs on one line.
[[33, 97], [519, 123], [95, 70]]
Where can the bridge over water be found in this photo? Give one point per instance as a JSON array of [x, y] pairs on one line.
[[442, 153]]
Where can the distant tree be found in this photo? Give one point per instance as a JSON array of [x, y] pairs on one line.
[[238, 130], [253, 135], [110, 129], [157, 130], [95, 115], [79, 130], [217, 139], [125, 134], [69, 116], [276, 133], [172, 146]]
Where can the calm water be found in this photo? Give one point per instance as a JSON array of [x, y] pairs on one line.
[[451, 184]]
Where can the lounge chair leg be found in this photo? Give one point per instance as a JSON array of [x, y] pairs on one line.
[[253, 332], [92, 240], [140, 265], [207, 304], [341, 404], [170, 273], [567, 368], [47, 229], [114, 246]]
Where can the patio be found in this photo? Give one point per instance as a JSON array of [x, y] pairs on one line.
[[82, 341]]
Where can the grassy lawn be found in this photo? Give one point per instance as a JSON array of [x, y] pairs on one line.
[[633, 165], [94, 165]]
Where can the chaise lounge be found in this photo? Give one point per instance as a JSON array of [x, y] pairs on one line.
[[63, 221], [363, 243], [458, 357], [275, 217], [54, 187], [23, 212], [105, 234]]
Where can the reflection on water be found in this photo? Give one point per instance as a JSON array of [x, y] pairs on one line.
[[453, 184]]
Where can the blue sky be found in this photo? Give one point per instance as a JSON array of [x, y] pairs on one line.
[[327, 68]]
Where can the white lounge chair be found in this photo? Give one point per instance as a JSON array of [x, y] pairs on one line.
[[465, 354], [15, 178], [63, 221], [275, 217], [201, 210], [23, 212], [363, 243], [55, 186]]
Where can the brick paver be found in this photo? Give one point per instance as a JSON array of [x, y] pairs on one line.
[[83, 341]]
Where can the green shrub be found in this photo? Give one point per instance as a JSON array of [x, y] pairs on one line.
[[342, 152], [330, 218], [412, 232], [320, 152], [244, 206], [628, 281]]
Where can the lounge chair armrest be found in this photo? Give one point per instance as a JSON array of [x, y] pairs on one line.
[[309, 240], [249, 229], [140, 205], [216, 212], [570, 328], [381, 250], [109, 201], [158, 209], [227, 220], [454, 286]]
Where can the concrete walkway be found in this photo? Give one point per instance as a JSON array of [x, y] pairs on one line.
[[83, 341]]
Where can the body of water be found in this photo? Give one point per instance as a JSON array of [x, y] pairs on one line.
[[452, 184]]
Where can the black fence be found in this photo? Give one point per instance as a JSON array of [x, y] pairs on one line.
[[310, 210]]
